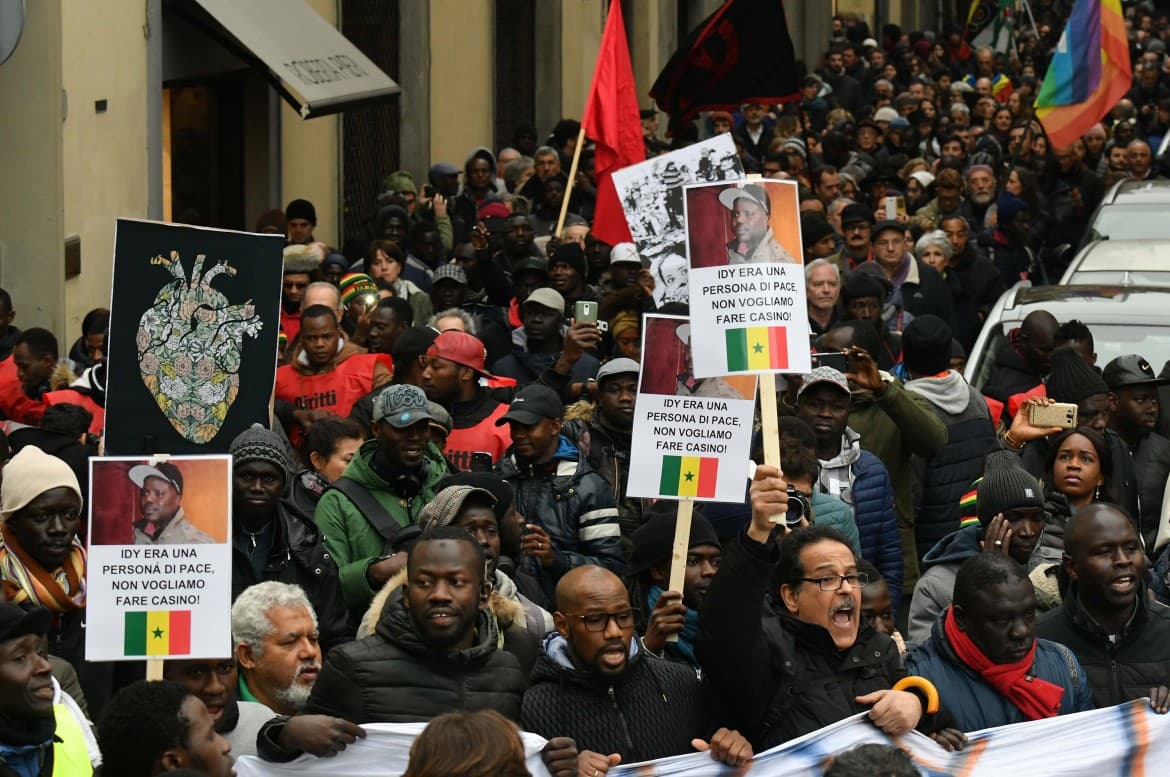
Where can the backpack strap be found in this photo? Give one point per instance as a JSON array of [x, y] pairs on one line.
[[379, 517]]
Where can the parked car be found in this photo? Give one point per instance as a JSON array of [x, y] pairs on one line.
[[1131, 210], [1121, 262], [1123, 319]]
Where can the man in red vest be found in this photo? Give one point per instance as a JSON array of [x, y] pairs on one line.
[[327, 373], [452, 368]]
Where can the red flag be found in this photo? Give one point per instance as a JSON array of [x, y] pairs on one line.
[[612, 122]]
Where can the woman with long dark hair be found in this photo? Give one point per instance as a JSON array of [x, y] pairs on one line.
[[1079, 472]]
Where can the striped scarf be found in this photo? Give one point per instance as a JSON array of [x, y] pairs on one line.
[[26, 580]]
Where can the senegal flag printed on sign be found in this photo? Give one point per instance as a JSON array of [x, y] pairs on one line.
[[158, 633], [689, 476], [757, 348]]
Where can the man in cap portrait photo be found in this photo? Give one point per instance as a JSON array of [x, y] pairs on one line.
[[751, 212], [160, 499]]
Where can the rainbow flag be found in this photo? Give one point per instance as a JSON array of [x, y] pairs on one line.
[[1089, 72], [688, 476], [157, 633], [757, 348]]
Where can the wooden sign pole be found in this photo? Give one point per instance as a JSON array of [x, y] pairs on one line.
[[682, 544], [770, 425], [154, 669]]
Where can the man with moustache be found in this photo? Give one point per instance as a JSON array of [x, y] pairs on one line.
[[274, 630], [595, 679], [750, 213], [984, 658]]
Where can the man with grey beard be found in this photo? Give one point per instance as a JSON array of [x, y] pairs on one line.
[[980, 192], [274, 632]]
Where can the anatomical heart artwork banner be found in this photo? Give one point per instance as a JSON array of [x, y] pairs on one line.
[[194, 320]]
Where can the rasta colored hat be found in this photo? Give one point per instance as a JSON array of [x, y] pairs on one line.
[[1006, 485], [401, 405], [354, 285], [1071, 380], [259, 444], [654, 540], [301, 209]]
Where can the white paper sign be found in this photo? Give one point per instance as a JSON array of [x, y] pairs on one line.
[[692, 436], [160, 558], [747, 289]]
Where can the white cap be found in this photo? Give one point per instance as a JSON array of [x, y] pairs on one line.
[[625, 253]]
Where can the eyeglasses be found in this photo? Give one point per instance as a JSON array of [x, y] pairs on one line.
[[834, 582], [598, 621]]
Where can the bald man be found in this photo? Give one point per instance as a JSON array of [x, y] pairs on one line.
[[1023, 366], [1106, 619], [596, 684]]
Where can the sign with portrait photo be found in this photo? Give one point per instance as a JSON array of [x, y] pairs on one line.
[[193, 337], [747, 289], [160, 558], [692, 436]]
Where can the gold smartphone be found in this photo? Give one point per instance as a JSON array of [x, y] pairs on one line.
[[1061, 414]]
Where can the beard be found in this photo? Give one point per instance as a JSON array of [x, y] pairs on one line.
[[982, 198], [296, 695]]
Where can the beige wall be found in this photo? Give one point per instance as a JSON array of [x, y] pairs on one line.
[[310, 156], [31, 251], [104, 154], [460, 78], [582, 22]]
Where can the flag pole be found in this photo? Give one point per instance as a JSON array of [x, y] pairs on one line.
[[572, 180], [682, 544]]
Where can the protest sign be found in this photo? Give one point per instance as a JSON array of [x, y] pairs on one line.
[[193, 337], [747, 291], [160, 563], [651, 194], [691, 436]]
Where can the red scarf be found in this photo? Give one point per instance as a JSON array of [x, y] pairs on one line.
[[1036, 698]]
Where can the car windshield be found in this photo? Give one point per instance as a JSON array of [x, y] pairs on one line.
[[1131, 222], [1109, 341], [1121, 277]]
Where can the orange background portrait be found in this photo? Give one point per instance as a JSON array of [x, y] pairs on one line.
[[709, 223], [205, 500]]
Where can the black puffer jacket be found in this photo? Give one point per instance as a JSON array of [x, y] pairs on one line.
[[298, 556], [393, 677], [776, 677], [1120, 671], [607, 450], [574, 505], [1151, 460], [652, 710], [941, 480]]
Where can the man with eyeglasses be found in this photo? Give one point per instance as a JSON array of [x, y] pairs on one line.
[[598, 685], [789, 659], [272, 540], [984, 657], [856, 222], [920, 287]]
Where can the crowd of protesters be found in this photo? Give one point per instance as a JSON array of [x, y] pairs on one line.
[[435, 523]]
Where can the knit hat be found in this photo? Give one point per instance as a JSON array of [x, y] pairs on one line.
[[336, 260], [354, 285], [445, 507], [1006, 485], [301, 209], [813, 228], [654, 540], [1071, 380], [400, 181], [30, 473], [301, 259], [926, 345], [571, 254], [259, 444], [860, 285], [1007, 207], [489, 481]]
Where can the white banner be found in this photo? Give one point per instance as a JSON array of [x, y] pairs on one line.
[[1127, 741]]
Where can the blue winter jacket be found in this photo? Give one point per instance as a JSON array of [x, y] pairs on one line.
[[877, 523], [975, 704]]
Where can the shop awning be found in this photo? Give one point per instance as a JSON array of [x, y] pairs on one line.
[[309, 61]]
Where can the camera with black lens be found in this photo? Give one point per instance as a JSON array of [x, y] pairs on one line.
[[799, 506]]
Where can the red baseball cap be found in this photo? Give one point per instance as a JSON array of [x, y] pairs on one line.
[[459, 347]]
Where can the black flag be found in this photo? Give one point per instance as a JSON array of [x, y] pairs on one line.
[[741, 53]]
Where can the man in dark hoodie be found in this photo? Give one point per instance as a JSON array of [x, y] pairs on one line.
[[974, 281], [597, 685], [434, 648], [572, 519], [1025, 361], [1008, 501], [1106, 619], [545, 354], [941, 479]]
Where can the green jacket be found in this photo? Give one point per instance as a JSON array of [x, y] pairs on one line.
[[351, 538]]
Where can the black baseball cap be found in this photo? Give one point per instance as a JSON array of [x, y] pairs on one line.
[[15, 621], [532, 405], [1131, 370]]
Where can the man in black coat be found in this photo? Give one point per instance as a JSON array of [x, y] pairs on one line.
[[272, 540], [918, 287], [1025, 359], [1106, 619], [596, 684]]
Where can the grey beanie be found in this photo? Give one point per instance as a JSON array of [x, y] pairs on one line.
[[259, 444], [1006, 485]]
